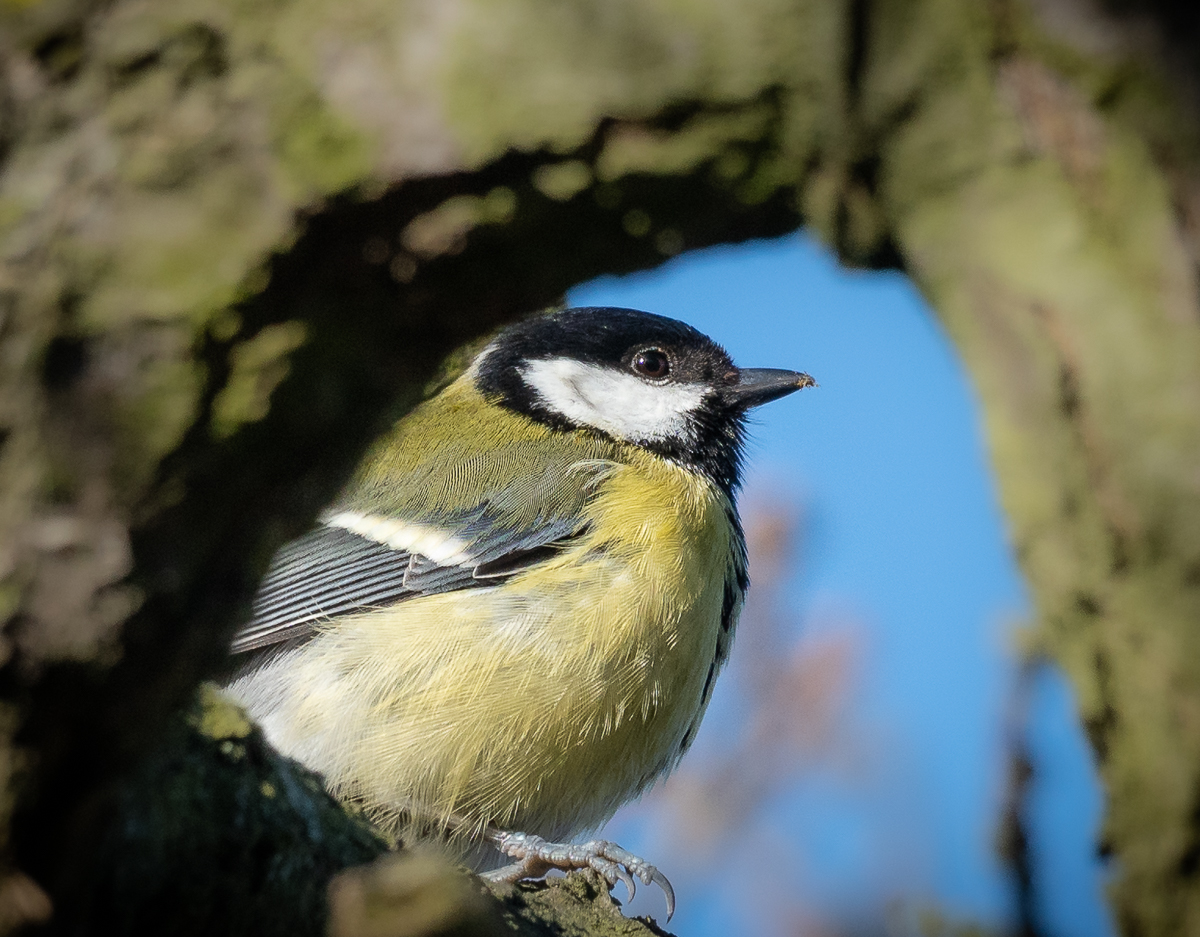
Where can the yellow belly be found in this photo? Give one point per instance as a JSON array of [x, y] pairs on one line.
[[541, 704]]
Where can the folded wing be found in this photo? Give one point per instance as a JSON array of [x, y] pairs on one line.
[[356, 562]]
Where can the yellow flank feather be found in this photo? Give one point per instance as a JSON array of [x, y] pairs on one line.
[[541, 704]]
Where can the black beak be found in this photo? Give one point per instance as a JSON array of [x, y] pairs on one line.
[[757, 386]]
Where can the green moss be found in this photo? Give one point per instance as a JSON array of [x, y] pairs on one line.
[[701, 140], [184, 254], [579, 904], [217, 717], [259, 364], [319, 152], [154, 415], [443, 229], [11, 594], [563, 67], [562, 181], [197, 846], [1039, 218]]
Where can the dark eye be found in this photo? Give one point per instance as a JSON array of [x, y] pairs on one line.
[[652, 363]]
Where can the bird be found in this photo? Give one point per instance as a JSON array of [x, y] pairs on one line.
[[510, 622]]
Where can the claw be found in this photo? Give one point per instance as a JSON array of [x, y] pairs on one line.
[[626, 879], [668, 892], [535, 857]]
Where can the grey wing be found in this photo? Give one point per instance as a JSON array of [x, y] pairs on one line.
[[332, 571]]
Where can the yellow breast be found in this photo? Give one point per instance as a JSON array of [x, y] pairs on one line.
[[541, 704]]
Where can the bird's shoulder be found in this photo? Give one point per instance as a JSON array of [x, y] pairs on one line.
[[458, 450]]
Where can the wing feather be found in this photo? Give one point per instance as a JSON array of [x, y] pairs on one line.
[[333, 571], [326, 573]]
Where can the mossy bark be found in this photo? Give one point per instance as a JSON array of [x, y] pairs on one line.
[[238, 239]]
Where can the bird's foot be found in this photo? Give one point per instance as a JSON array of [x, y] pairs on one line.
[[535, 857]]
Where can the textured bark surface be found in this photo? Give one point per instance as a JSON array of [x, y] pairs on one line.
[[238, 239]]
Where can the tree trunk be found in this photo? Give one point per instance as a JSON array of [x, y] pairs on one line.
[[237, 240]]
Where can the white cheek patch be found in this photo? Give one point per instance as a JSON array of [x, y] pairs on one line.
[[618, 403], [431, 542]]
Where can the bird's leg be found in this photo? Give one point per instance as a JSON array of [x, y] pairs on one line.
[[535, 857]]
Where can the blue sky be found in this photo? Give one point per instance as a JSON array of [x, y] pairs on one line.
[[903, 538]]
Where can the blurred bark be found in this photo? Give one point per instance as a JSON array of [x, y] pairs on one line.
[[237, 239]]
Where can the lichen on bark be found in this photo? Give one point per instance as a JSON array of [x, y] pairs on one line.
[[237, 240]]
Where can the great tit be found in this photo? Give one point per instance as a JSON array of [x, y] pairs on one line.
[[512, 618]]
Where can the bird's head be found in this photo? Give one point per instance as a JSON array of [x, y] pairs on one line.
[[643, 379]]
